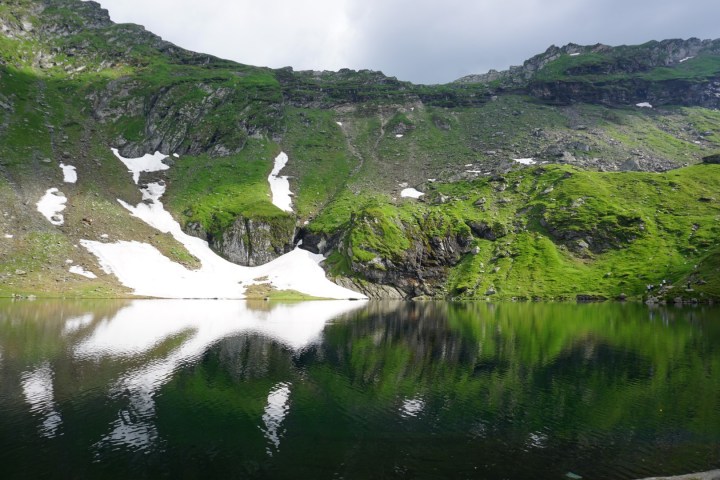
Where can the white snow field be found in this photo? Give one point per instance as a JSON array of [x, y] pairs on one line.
[[144, 269], [280, 186], [525, 161], [644, 105], [146, 163]]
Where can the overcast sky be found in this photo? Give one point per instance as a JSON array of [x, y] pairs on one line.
[[423, 41]]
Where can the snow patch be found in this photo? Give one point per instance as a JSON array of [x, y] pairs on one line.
[[51, 204], [280, 186], [574, 54], [643, 105], [686, 59], [339, 123], [176, 155], [399, 135], [146, 163], [69, 173], [8, 236], [525, 161], [143, 268], [78, 270], [411, 193]]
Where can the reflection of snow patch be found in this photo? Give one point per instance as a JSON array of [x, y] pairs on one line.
[[51, 204], [412, 407], [78, 270], [37, 388], [537, 440], [146, 163], [76, 323], [275, 411], [411, 193], [69, 173], [643, 105], [142, 326], [280, 186], [525, 161]]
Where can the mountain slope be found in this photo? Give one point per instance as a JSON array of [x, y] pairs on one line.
[[73, 85]]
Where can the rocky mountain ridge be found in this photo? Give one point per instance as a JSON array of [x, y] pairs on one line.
[[507, 165]]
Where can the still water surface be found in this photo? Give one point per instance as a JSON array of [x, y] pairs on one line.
[[213, 389]]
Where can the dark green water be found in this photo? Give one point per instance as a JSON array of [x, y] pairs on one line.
[[203, 389]]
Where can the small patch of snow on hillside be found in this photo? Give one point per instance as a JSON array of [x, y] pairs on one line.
[[51, 204], [686, 59], [339, 123], [78, 270], [644, 105], [399, 135], [69, 173], [411, 193], [8, 236], [280, 186], [146, 163], [176, 155], [525, 161], [574, 54]]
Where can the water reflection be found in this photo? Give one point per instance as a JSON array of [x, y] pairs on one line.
[[37, 387], [275, 411], [362, 390]]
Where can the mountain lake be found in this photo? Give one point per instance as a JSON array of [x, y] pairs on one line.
[[343, 389]]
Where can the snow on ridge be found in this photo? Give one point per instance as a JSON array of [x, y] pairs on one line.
[[146, 163], [144, 269], [51, 204], [644, 105], [69, 173], [525, 161], [280, 186], [411, 193], [686, 59]]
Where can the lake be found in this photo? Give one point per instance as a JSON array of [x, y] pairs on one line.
[[235, 389]]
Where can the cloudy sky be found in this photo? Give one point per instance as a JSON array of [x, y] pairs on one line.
[[424, 41]]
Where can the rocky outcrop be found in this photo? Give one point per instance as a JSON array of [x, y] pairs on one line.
[[255, 241]]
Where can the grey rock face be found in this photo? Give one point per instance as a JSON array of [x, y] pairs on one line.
[[253, 242]]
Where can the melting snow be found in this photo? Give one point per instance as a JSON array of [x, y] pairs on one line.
[[686, 59], [8, 236], [176, 155], [280, 186], [78, 270], [643, 105], [574, 54], [399, 135], [525, 161], [69, 173], [51, 204], [143, 268], [339, 123], [146, 163], [411, 193]]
